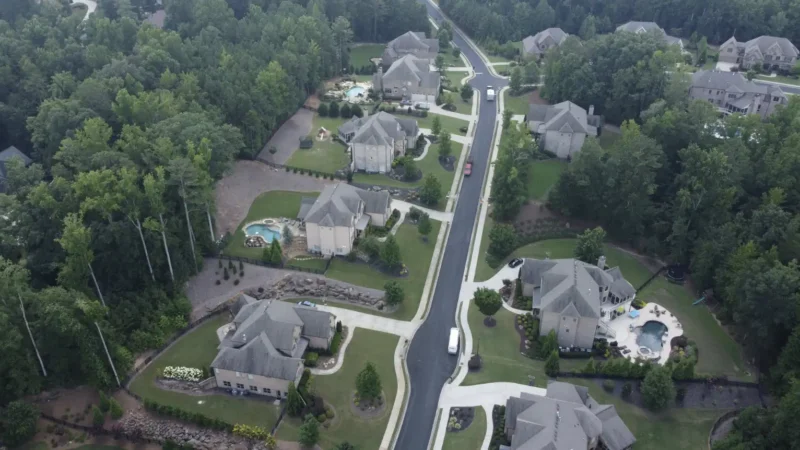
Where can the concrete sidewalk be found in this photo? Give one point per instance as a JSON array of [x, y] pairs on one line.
[[369, 321], [453, 137], [405, 207]]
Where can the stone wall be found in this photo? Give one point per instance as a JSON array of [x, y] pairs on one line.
[[136, 423], [314, 286]]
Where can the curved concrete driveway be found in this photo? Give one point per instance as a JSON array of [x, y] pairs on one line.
[[429, 365]]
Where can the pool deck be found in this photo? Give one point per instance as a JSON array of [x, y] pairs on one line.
[[625, 337]]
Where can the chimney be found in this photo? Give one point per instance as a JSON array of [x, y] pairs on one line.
[[601, 262], [591, 110]]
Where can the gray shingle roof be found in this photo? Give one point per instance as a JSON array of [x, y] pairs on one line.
[[571, 287], [565, 117], [338, 205], [316, 323], [763, 43], [530, 45], [413, 71], [567, 418], [258, 357], [14, 152], [378, 128], [642, 27], [410, 42]]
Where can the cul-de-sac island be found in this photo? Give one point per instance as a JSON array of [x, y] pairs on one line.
[[399, 224]]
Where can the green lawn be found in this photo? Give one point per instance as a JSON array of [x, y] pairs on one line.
[[455, 79], [428, 165], [719, 353], [450, 60], [360, 54], [325, 156], [779, 79], [518, 104], [608, 138], [470, 438], [315, 263], [337, 389], [416, 256], [197, 349], [269, 204], [542, 175], [676, 429], [450, 124]]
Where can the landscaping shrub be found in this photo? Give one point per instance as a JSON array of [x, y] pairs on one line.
[[338, 326], [627, 389], [98, 418], [551, 365], [196, 418], [474, 363], [608, 385], [18, 424], [311, 359], [323, 110], [463, 129], [250, 432], [115, 409], [236, 282], [658, 389], [104, 404]]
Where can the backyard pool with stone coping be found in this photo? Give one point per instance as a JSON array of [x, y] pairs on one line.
[[648, 333]]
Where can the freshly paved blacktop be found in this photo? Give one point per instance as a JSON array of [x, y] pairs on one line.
[[236, 192], [429, 365], [287, 138]]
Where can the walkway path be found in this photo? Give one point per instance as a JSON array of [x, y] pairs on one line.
[[435, 109], [405, 207], [425, 151], [453, 137]]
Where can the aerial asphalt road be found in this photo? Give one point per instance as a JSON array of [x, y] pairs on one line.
[[429, 364]]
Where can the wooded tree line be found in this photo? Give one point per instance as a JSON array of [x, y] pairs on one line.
[[718, 20], [129, 127]]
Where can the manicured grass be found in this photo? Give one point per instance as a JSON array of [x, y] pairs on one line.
[[325, 156], [542, 175], [470, 438], [428, 165], [632, 270], [338, 389], [719, 353], [455, 78], [450, 124], [197, 349], [499, 350], [779, 79], [517, 103], [675, 429], [450, 60], [360, 54], [314, 263], [273, 204], [416, 256], [607, 139]]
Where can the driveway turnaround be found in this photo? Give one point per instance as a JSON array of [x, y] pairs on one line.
[[429, 364]]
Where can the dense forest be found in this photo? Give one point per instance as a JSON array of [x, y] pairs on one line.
[[512, 20], [129, 127]]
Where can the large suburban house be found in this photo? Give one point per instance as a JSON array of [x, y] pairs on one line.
[[6, 156], [574, 298], [766, 52], [377, 139], [411, 43], [562, 128], [339, 215], [263, 348], [408, 78], [537, 45], [646, 27], [566, 418], [731, 92]]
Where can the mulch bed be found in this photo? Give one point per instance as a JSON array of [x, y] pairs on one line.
[[463, 416], [368, 410], [489, 322], [698, 394], [448, 164]]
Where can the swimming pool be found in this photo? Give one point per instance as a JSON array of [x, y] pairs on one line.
[[650, 336], [355, 91], [264, 231]]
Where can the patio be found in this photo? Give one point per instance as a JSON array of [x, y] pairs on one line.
[[626, 329]]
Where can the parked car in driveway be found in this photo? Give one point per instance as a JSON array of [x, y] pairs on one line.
[[307, 303], [516, 262], [423, 106]]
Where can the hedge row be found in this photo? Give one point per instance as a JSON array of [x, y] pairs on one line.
[[195, 418]]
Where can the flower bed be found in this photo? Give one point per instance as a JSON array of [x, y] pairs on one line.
[[182, 373]]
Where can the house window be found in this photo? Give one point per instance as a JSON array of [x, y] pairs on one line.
[[731, 95], [226, 383], [266, 391], [775, 99], [254, 388], [277, 393], [240, 385], [709, 92]]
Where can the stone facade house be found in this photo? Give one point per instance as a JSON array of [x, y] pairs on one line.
[[574, 298], [537, 45], [339, 215], [731, 92], [408, 78], [6, 156], [562, 128], [765, 52], [566, 418], [645, 27], [263, 348], [376, 140], [411, 43]]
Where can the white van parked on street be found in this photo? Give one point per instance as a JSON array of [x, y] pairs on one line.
[[452, 346]]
